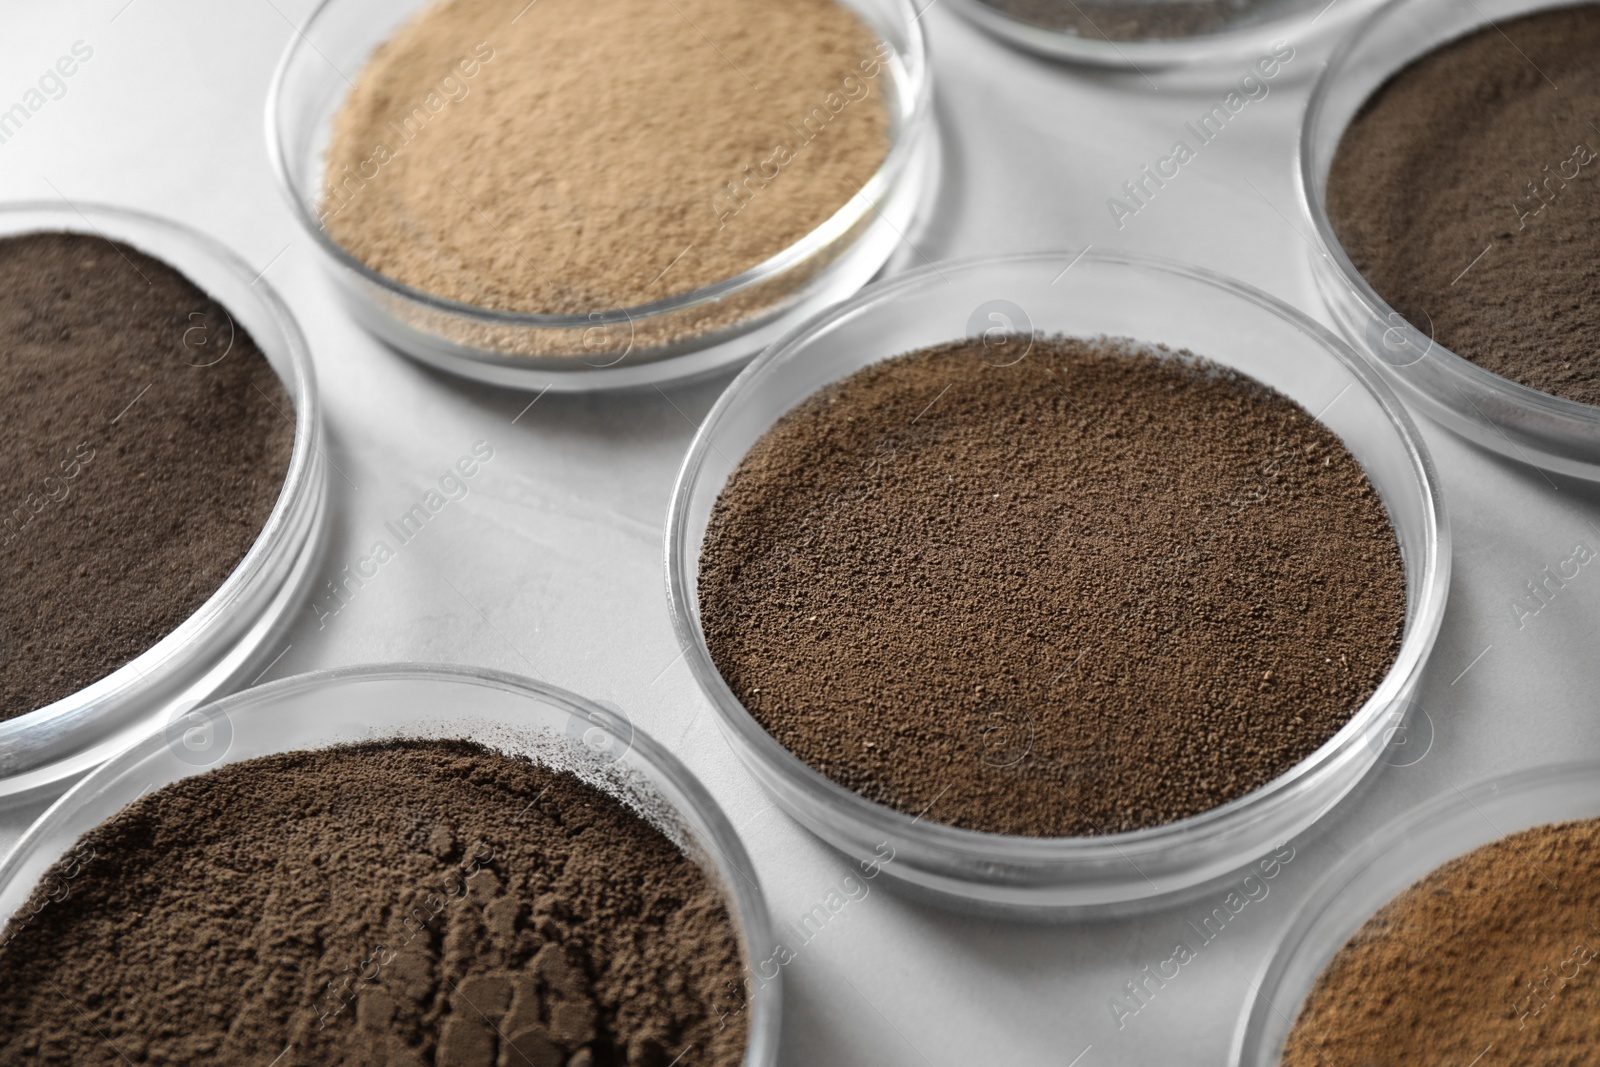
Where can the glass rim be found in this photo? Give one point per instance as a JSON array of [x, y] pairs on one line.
[[1374, 849], [984, 846], [274, 537], [740, 888], [1332, 249], [1164, 52], [914, 112]]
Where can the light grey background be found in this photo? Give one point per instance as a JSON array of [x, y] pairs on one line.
[[552, 566]]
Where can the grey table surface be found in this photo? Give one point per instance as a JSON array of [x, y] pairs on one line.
[[552, 566]]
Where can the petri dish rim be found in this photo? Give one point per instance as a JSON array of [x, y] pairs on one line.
[[990, 848], [1157, 53], [739, 882], [1312, 167], [293, 527], [1428, 823], [914, 115]]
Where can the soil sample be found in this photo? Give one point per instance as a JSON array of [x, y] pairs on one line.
[[574, 156], [144, 443], [1491, 958], [1494, 254], [386, 905], [1135, 20], [1098, 589]]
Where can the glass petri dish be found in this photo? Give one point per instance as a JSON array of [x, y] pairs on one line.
[[1241, 39], [610, 348], [231, 634], [355, 704], [1492, 412], [1092, 294], [1386, 865]]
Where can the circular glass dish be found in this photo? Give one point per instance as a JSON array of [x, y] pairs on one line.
[[1241, 40], [1094, 294], [1383, 867], [618, 347], [356, 704], [1493, 412], [226, 640]]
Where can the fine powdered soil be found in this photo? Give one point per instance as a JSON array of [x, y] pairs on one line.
[[144, 443], [1094, 590], [388, 905], [1136, 20], [574, 156], [1491, 958], [1467, 192]]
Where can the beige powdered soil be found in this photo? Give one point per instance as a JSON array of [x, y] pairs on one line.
[[571, 156]]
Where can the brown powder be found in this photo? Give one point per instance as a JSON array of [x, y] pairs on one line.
[[1467, 192], [574, 156], [389, 905], [141, 457], [1092, 591], [1489, 959], [1134, 21]]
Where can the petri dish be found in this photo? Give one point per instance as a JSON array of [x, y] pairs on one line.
[[691, 335], [1493, 412], [230, 636], [1091, 294], [501, 711], [1238, 36], [1386, 865]]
